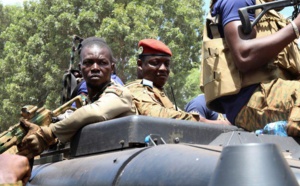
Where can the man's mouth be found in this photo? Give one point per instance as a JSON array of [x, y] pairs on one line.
[[95, 77], [162, 75]]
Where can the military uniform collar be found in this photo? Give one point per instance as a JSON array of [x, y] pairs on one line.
[[96, 97], [148, 83]]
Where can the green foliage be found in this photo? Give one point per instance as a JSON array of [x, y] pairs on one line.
[[36, 39], [192, 84]]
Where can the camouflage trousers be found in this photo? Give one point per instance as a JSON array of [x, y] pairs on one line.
[[277, 100]]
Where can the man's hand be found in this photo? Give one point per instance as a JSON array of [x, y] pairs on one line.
[[36, 141], [14, 168]]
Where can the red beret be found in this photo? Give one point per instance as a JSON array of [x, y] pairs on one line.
[[153, 46]]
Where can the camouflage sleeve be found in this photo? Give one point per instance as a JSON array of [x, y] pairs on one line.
[[19, 183], [147, 105], [113, 103], [154, 109]]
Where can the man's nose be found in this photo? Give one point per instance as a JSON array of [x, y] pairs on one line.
[[95, 66], [163, 67]]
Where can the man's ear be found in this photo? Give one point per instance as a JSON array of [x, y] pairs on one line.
[[139, 64], [113, 66], [139, 69]]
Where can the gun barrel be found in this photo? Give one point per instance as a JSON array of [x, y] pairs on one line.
[[12, 136], [67, 105], [42, 116], [244, 12]]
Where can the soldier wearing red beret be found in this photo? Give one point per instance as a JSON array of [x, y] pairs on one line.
[[153, 70]]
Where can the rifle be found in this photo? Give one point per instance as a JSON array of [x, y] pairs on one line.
[[244, 12], [41, 117], [71, 75]]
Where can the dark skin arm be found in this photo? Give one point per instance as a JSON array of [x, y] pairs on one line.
[[249, 52]]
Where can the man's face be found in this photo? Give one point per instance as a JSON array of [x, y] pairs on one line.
[[156, 69], [96, 66]]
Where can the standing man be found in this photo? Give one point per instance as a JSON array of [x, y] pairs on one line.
[[253, 78], [106, 101], [148, 93]]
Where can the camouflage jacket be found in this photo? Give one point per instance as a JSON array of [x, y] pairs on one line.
[[114, 102], [151, 101], [19, 183]]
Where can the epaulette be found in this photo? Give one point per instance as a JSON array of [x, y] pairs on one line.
[[133, 83], [115, 90]]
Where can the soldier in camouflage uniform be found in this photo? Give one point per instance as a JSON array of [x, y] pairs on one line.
[[106, 101], [14, 169], [148, 93], [253, 78]]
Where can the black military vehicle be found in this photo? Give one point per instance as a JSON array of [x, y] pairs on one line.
[[141, 150]]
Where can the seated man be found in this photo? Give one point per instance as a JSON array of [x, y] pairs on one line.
[[81, 88], [252, 77], [148, 93], [198, 105], [106, 101]]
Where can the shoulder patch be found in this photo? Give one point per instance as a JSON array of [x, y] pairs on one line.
[[134, 83], [114, 90]]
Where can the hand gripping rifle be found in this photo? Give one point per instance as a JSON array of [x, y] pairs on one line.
[[41, 117], [244, 12]]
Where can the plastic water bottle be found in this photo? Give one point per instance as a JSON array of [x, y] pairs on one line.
[[275, 128]]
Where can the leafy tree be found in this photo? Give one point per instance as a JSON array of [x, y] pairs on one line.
[[8, 16], [38, 43], [191, 87]]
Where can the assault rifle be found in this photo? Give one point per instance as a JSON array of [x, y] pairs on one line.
[[71, 75], [244, 12], [41, 117]]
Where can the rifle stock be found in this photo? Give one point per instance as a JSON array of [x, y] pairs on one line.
[[244, 12], [41, 117]]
